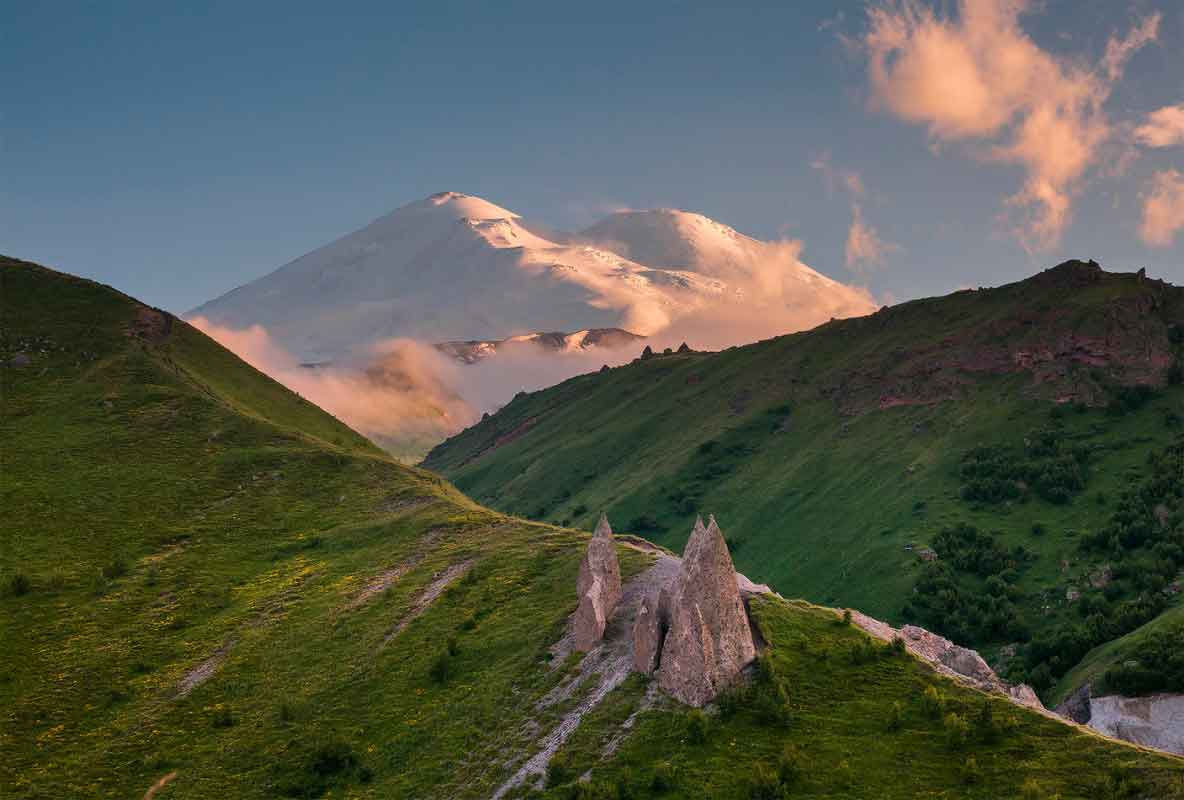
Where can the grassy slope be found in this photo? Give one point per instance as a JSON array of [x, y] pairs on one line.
[[818, 503], [1092, 668], [169, 505]]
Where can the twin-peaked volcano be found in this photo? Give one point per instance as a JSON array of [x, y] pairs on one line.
[[454, 267]]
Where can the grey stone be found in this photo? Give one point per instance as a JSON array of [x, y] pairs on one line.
[[709, 639], [961, 660], [648, 631], [1076, 705], [598, 587]]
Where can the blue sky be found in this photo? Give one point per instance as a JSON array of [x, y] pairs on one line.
[[178, 153]]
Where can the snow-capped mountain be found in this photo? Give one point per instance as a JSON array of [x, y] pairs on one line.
[[455, 267], [474, 350]]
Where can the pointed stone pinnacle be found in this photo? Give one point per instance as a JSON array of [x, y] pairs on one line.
[[709, 639], [598, 587]]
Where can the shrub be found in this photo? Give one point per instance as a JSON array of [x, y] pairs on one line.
[[327, 765], [1031, 790], [593, 791], [698, 726], [971, 774], [116, 569], [1039, 529], [222, 718], [441, 669], [846, 616], [956, 730], [765, 784], [453, 646], [898, 647], [18, 584], [662, 779], [729, 703], [772, 704], [559, 771], [57, 580], [986, 726], [789, 768], [932, 703], [895, 716]]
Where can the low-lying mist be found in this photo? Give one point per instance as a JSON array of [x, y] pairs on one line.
[[407, 396]]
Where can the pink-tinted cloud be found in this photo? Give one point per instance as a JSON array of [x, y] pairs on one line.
[[864, 249], [1163, 209], [976, 77], [1162, 128], [397, 390]]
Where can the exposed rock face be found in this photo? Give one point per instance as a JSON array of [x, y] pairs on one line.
[[1076, 705], [950, 659], [960, 659], [648, 631], [1155, 721], [598, 587], [707, 639]]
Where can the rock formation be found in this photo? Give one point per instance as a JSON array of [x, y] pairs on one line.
[[1156, 720], [939, 649], [698, 638], [950, 659], [598, 587], [648, 631], [1076, 706]]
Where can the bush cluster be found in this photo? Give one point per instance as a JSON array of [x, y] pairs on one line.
[[948, 596], [1143, 543], [1048, 464]]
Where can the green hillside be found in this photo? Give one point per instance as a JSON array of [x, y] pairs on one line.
[[209, 588], [1000, 428]]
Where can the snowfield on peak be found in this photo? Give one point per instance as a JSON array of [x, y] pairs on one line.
[[456, 267]]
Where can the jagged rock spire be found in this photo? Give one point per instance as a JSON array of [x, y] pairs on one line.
[[598, 587], [708, 639]]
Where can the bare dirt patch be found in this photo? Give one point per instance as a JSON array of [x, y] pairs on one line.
[[608, 665], [387, 578], [203, 671], [440, 581]]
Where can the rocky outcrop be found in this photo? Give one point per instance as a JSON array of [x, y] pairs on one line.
[[648, 631], [598, 587], [1076, 705], [950, 659], [697, 639], [962, 660], [1154, 721]]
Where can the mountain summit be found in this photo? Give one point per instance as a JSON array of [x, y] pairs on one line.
[[457, 267]]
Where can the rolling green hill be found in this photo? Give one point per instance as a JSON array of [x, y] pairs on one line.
[[1000, 429], [209, 588]]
